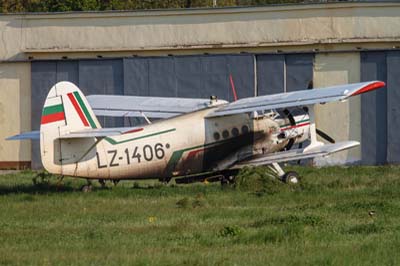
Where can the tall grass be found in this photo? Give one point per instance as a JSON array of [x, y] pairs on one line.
[[337, 216]]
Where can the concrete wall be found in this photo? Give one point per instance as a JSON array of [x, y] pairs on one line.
[[15, 113], [188, 30], [341, 120]]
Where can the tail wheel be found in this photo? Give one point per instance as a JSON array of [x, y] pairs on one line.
[[291, 178]]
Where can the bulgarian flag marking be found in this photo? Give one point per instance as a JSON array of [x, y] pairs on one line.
[[81, 109], [53, 113]]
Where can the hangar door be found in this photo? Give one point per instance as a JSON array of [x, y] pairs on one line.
[[380, 110], [284, 73]]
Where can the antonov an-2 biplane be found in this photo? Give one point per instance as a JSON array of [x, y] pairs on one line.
[[194, 139]]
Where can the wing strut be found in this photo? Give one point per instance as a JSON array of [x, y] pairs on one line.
[[313, 130], [145, 117]]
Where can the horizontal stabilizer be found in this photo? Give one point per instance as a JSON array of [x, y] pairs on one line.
[[152, 107], [33, 135], [297, 98], [100, 132], [297, 154]]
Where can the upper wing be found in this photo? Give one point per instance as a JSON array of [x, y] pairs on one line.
[[297, 154], [297, 98], [136, 106]]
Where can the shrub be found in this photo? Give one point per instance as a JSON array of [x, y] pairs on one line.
[[258, 180], [230, 231]]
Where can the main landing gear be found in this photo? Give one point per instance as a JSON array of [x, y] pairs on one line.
[[227, 180], [290, 177]]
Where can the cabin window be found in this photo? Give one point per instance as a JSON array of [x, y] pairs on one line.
[[245, 129], [235, 132], [225, 134], [216, 136]]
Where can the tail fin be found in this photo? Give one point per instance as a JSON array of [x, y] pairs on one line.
[[66, 109]]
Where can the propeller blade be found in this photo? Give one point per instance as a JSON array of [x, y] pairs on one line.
[[325, 136]]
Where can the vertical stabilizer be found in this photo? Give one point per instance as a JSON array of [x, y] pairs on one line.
[[65, 110]]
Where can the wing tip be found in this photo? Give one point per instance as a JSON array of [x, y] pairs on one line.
[[370, 87]]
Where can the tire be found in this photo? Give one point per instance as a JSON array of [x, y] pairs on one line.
[[291, 178], [231, 179], [224, 182], [228, 180]]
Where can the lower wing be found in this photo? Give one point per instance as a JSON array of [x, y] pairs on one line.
[[296, 154]]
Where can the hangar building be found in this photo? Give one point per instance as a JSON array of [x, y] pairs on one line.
[[190, 53]]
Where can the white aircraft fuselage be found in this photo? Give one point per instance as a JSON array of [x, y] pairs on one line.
[[183, 145]]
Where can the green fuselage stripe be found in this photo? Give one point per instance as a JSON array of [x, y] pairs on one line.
[[85, 110], [115, 142], [53, 109]]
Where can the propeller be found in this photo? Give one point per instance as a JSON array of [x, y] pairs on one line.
[[292, 123]]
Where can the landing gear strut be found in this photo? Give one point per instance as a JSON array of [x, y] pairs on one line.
[[290, 177]]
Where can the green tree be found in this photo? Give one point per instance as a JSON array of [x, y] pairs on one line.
[[9, 6]]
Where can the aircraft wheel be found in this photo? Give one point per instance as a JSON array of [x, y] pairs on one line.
[[231, 179], [227, 180], [291, 177], [86, 188]]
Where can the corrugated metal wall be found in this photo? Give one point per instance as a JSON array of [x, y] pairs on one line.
[[380, 110], [283, 73], [198, 76]]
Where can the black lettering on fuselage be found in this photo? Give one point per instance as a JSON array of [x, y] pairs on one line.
[[114, 155], [99, 165]]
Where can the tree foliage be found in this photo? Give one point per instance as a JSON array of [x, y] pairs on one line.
[[14, 6]]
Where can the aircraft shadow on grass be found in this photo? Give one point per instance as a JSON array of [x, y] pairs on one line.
[[50, 188], [35, 189]]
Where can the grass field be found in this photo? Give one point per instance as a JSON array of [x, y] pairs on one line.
[[338, 216]]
